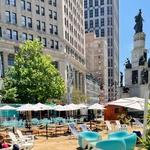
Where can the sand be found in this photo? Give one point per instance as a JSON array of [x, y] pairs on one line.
[[61, 143]]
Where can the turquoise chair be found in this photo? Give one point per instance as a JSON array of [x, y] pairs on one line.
[[86, 138], [113, 144], [118, 134], [130, 139]]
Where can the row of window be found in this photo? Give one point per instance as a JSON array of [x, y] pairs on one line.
[[97, 12], [92, 3], [11, 34], [73, 42], [27, 22], [74, 54]]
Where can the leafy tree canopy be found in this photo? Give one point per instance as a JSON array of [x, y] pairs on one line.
[[33, 78]]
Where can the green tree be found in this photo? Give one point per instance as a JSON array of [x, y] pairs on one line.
[[33, 78]]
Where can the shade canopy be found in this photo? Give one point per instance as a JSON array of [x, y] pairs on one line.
[[131, 102], [40, 106], [59, 108], [27, 107], [82, 106], [96, 106], [71, 106], [7, 107]]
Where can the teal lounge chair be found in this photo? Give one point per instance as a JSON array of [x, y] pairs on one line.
[[87, 138], [130, 139], [113, 144]]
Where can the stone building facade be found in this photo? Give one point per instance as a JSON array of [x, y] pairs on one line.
[[97, 60], [59, 25]]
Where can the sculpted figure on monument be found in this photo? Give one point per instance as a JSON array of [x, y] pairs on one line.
[[138, 22], [144, 76], [128, 64], [121, 79], [141, 61]]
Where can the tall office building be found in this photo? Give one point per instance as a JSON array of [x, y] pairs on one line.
[[59, 25], [102, 17]]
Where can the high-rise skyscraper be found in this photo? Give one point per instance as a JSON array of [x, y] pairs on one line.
[[59, 25], [102, 17]]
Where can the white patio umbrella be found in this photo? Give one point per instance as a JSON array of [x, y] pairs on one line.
[[7, 107], [59, 108], [82, 106], [96, 106], [27, 107], [41, 107], [131, 102]]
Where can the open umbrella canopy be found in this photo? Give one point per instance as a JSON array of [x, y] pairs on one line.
[[40, 106], [59, 108], [131, 102], [71, 106], [27, 107], [7, 107], [96, 106], [82, 106]]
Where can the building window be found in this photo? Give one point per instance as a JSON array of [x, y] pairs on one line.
[[56, 45], [42, 11], [102, 22], [91, 13], [91, 23], [23, 21], [24, 36], [96, 12], [90, 3], [43, 26], [102, 32], [44, 42], [109, 21], [15, 35], [38, 25], [39, 38], [52, 43], [55, 29], [85, 14], [85, 3], [13, 2], [96, 22], [50, 2], [55, 3], [8, 17], [10, 2], [23, 4], [102, 2], [28, 6], [97, 33], [96, 2], [86, 25], [109, 10], [7, 2], [102, 11], [29, 22], [0, 32], [13, 18], [11, 59], [51, 28], [30, 37], [55, 15], [37, 9], [8, 34], [50, 14]]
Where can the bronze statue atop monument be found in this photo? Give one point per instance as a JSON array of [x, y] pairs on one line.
[[139, 22]]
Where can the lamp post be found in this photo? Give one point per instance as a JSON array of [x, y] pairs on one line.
[[1, 99], [146, 110]]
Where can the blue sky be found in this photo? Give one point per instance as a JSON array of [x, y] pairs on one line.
[[128, 10]]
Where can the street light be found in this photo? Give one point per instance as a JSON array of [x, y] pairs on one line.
[[1, 99]]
